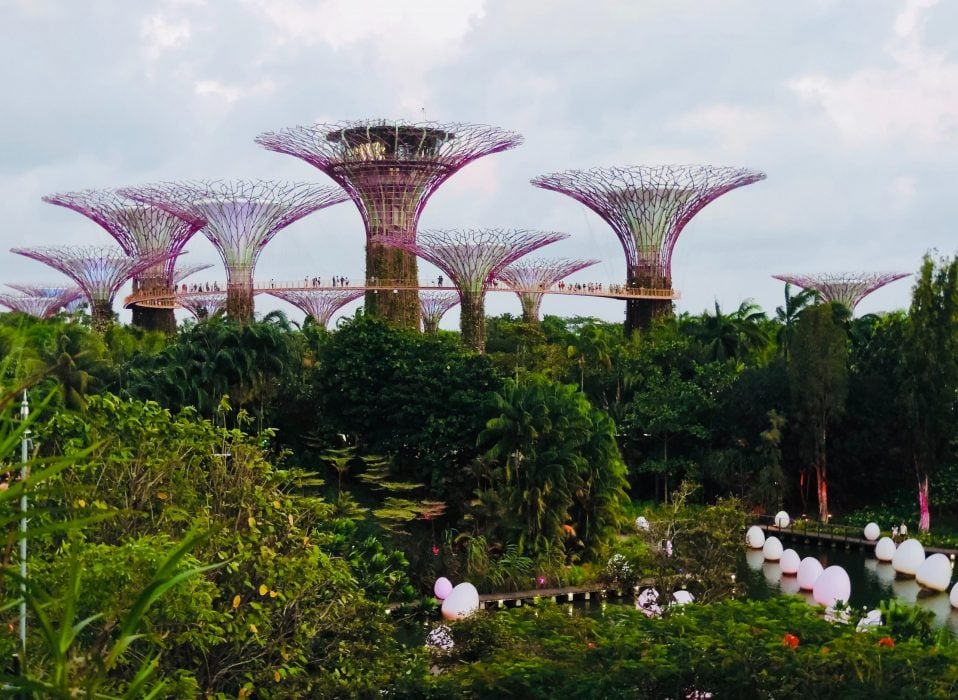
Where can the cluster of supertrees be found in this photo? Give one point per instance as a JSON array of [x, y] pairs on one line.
[[389, 170]]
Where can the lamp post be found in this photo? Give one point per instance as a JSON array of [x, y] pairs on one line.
[[24, 474]]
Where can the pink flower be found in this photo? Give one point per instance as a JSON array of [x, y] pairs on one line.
[[435, 550]]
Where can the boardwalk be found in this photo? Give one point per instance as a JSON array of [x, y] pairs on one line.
[[846, 536]]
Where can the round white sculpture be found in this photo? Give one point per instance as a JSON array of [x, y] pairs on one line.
[[772, 549], [872, 532], [885, 549], [462, 602], [782, 520], [908, 557], [872, 619], [442, 588], [642, 523], [831, 586], [934, 573], [682, 597], [789, 562], [954, 596], [808, 572], [755, 537]]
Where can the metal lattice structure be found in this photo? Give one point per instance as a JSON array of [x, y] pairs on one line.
[[203, 304], [141, 230], [99, 272], [240, 217], [320, 304], [647, 208], [433, 306], [528, 276], [472, 258], [40, 301], [847, 288], [390, 169], [184, 271]]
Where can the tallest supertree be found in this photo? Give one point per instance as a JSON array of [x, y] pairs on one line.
[[647, 208], [390, 169]]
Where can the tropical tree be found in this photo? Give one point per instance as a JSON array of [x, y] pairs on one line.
[[789, 314], [738, 335]]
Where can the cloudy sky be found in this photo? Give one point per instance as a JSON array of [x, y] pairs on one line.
[[849, 106]]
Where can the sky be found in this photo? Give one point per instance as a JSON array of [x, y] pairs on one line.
[[849, 106]]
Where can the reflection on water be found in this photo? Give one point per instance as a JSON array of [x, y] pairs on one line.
[[872, 581]]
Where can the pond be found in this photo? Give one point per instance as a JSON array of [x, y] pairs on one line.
[[872, 581]]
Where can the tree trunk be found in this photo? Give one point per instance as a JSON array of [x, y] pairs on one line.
[[639, 313], [154, 319], [821, 486], [239, 301], [924, 505], [472, 321], [101, 316], [392, 266]]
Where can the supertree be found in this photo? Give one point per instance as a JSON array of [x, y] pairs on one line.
[[528, 277], [472, 259], [241, 217], [202, 304], [141, 230], [97, 270], [847, 288], [433, 306], [184, 271], [647, 208], [40, 301], [390, 169], [320, 304]]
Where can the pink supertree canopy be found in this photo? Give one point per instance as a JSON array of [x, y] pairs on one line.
[[847, 288], [183, 271], [320, 304], [528, 277], [40, 301], [241, 217], [99, 271], [433, 306], [647, 208], [472, 258], [390, 169], [202, 304]]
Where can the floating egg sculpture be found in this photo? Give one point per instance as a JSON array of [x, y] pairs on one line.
[[908, 557], [831, 586], [755, 537], [642, 523], [808, 572], [442, 588], [789, 585], [682, 597], [789, 562], [461, 602], [885, 549], [782, 520], [872, 532], [772, 549], [934, 573], [954, 596]]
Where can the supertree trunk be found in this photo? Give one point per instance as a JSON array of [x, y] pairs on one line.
[[154, 318], [239, 301], [640, 314], [472, 321], [385, 264], [101, 315]]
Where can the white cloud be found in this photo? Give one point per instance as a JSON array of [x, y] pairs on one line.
[[160, 34], [230, 93], [734, 126], [914, 99]]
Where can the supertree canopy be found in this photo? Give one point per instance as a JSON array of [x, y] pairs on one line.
[[847, 288], [140, 229], [390, 169], [647, 208], [241, 217], [98, 271], [184, 271], [472, 258], [202, 304], [40, 301], [528, 277], [433, 306], [320, 304]]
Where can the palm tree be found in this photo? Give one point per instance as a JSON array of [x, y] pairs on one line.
[[789, 314], [731, 336]]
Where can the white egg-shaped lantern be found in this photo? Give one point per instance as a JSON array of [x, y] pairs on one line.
[[682, 597], [872, 532], [954, 596], [831, 586], [885, 549], [934, 573], [642, 523], [755, 537], [772, 549], [461, 602], [782, 520], [442, 588], [808, 572], [789, 562], [908, 557]]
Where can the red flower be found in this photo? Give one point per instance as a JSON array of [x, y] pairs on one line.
[[790, 640], [886, 642], [435, 551]]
